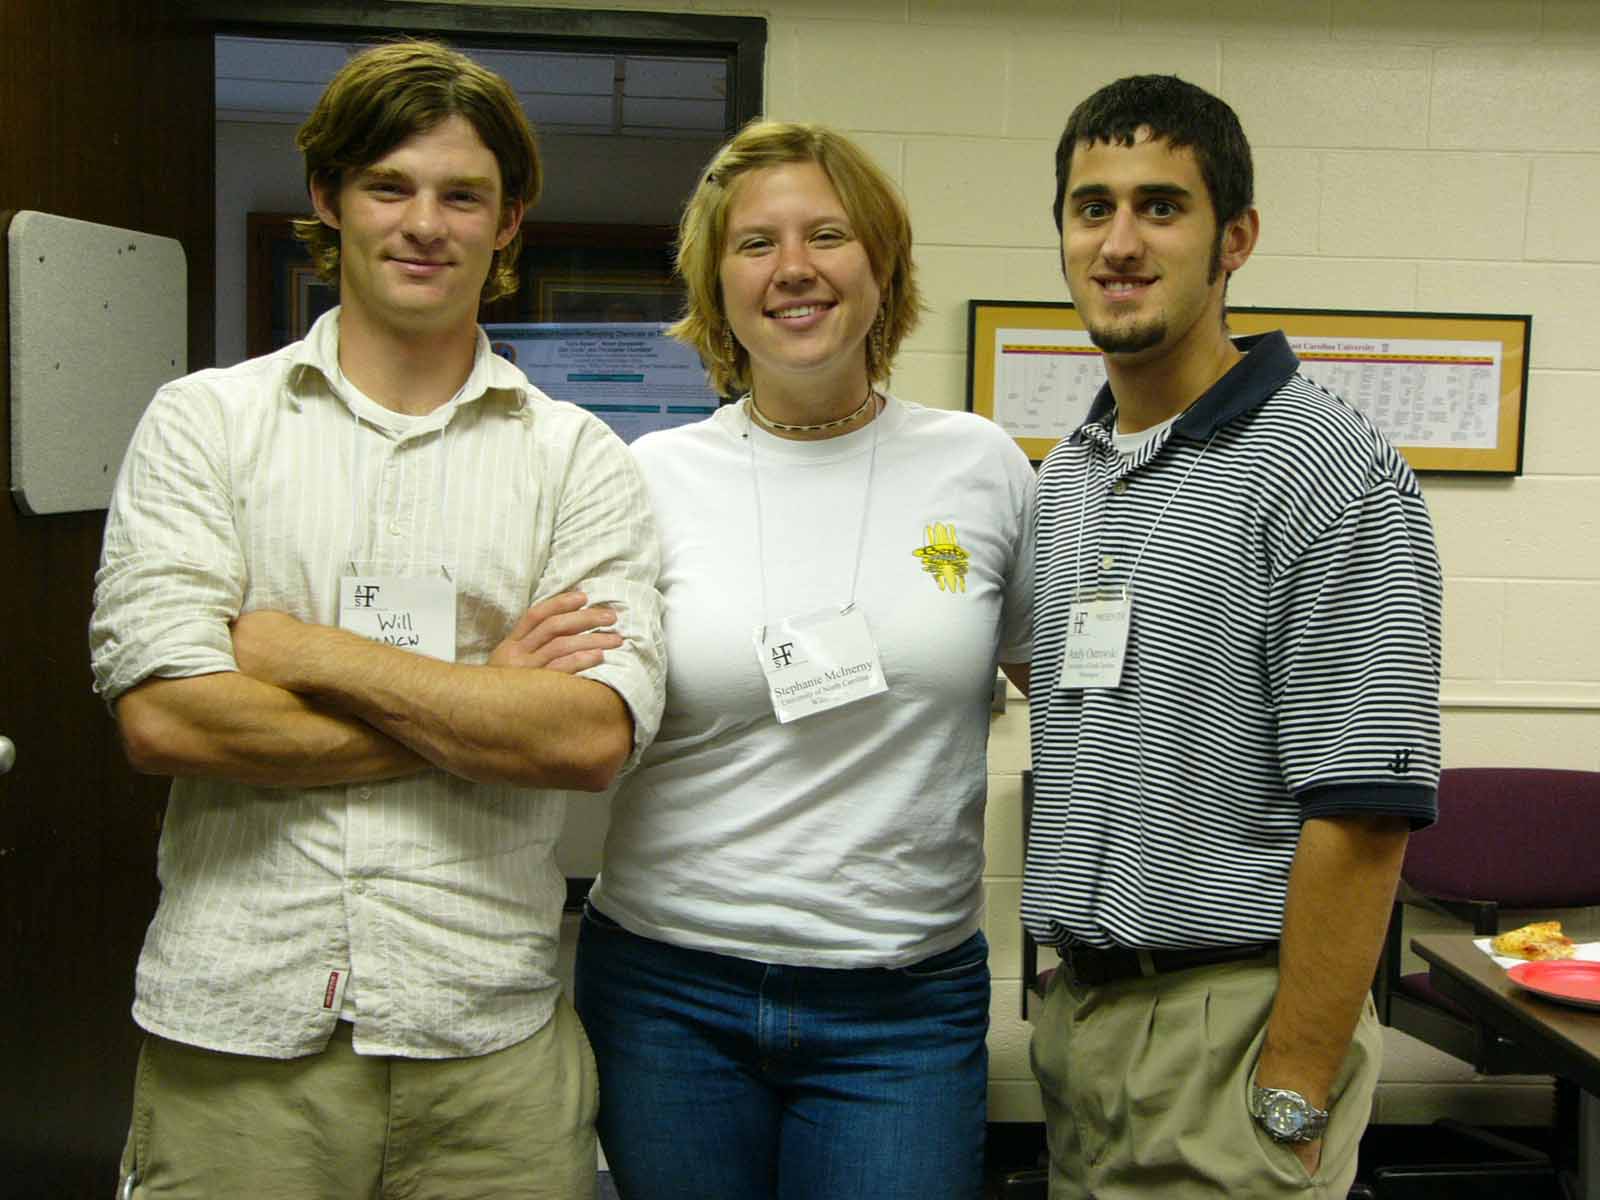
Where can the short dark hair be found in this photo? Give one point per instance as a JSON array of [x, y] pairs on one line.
[[394, 91], [1177, 113]]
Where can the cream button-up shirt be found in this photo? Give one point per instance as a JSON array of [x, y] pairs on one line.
[[429, 906]]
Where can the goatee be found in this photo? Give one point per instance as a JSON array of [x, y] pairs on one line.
[[1128, 339]]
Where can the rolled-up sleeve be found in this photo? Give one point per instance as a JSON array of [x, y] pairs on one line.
[[171, 574], [604, 544]]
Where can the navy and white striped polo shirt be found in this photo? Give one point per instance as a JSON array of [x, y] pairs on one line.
[[1283, 659]]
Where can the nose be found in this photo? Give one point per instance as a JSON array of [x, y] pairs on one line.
[[1123, 240], [424, 219], [794, 261]]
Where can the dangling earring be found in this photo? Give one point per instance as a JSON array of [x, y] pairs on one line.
[[877, 367], [729, 349]]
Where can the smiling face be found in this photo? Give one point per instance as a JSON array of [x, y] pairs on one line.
[[418, 229], [798, 290], [1141, 251]]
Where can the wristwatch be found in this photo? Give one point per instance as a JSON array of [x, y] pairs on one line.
[[1287, 1116]]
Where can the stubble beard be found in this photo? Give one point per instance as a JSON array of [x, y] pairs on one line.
[[1129, 339]]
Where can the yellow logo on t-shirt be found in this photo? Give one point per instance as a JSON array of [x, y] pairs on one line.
[[943, 558]]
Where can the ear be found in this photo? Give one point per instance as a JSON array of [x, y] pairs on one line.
[[1239, 240], [510, 222], [325, 202]]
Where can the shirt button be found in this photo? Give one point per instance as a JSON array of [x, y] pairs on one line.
[[359, 887], [1107, 562], [394, 528], [1120, 486], [365, 793]]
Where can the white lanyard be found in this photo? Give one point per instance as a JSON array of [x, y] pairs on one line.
[[761, 552], [818, 660], [1099, 619], [1083, 508], [358, 527], [412, 612]]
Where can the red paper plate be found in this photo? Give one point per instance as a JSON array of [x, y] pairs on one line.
[[1567, 980]]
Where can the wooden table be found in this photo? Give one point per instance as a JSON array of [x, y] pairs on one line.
[[1559, 1038]]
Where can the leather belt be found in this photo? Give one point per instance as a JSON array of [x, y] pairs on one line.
[[1090, 966]]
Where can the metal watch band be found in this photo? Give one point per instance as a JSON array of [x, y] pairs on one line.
[[1313, 1121]]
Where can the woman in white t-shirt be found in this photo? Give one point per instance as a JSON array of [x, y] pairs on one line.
[[781, 968]]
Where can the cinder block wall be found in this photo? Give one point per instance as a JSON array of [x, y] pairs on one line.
[[1436, 155]]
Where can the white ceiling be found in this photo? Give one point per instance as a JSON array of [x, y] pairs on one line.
[[278, 81]]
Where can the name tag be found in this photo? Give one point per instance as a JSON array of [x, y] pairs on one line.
[[819, 661], [417, 614], [1097, 640]]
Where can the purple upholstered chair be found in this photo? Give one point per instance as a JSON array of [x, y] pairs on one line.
[[1507, 838]]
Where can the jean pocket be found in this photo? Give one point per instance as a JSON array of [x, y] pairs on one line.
[[970, 956]]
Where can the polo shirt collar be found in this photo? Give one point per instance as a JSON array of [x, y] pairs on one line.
[[1268, 364]]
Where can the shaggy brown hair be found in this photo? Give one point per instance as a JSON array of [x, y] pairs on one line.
[[393, 92]]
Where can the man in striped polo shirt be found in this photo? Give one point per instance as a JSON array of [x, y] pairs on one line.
[[335, 601], [1235, 698]]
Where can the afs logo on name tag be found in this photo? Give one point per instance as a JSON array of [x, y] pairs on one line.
[[417, 614], [819, 661]]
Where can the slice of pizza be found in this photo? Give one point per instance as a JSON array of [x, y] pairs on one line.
[[1537, 942]]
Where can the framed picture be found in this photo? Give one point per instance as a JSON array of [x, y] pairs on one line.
[[582, 274], [284, 293], [1449, 390], [606, 298]]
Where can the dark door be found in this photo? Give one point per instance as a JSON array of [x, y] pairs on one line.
[[108, 118]]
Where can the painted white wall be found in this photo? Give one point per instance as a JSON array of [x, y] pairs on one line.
[[1432, 156]]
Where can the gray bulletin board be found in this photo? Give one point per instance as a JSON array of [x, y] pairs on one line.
[[97, 320]]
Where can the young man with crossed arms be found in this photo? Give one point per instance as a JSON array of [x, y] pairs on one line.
[[348, 986]]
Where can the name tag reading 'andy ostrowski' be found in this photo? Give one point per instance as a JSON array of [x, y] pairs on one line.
[[1097, 638], [413, 613], [818, 661]]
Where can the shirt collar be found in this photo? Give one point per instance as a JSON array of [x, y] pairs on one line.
[[1268, 364], [319, 352]]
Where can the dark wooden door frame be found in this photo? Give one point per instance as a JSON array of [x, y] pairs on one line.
[[742, 41], [108, 119]]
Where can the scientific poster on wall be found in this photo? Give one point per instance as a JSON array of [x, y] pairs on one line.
[[632, 376], [1446, 389], [1417, 392]]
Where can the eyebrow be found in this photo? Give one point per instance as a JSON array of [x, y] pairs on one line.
[[381, 174], [1173, 191], [768, 226]]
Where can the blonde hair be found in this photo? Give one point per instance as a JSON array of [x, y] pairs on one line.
[[876, 211], [393, 92]]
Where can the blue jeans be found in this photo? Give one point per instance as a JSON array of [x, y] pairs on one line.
[[726, 1079]]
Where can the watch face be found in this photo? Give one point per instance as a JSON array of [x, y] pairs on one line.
[[1284, 1116]]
